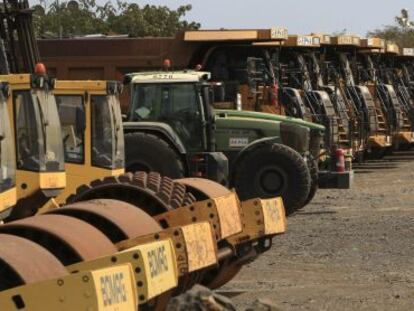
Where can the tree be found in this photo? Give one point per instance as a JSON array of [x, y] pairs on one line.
[[401, 33], [85, 17]]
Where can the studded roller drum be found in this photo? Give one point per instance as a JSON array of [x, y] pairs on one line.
[[24, 262], [116, 219], [148, 191], [69, 239], [204, 189]]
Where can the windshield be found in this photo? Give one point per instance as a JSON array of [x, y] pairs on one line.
[[72, 119], [7, 160], [107, 132], [178, 105], [38, 131]]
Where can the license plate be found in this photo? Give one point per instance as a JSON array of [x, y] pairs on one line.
[[228, 210], [115, 288], [274, 216], [160, 267], [238, 142], [201, 249], [279, 33], [305, 40]]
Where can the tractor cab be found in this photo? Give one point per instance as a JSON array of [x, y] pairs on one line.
[[7, 156], [92, 133], [175, 106], [179, 99], [36, 129]]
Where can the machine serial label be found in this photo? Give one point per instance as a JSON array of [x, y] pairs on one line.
[[238, 142], [113, 289], [278, 33], [160, 267], [158, 262]]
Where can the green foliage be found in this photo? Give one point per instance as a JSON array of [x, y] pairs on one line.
[[401, 33], [85, 17]]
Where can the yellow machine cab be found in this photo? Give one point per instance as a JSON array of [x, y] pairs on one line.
[[7, 157], [40, 173], [92, 133]]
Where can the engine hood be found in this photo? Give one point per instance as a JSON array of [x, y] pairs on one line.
[[268, 117]]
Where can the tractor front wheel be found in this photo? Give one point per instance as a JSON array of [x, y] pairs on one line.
[[272, 170]]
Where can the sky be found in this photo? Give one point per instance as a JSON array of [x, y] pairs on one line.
[[299, 16]]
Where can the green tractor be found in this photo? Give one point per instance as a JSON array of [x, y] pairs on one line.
[[172, 128]]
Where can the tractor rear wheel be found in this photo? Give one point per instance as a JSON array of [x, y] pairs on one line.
[[149, 153], [272, 170]]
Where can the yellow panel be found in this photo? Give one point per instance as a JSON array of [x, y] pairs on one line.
[[62, 86], [160, 267], [274, 216], [275, 33], [393, 48], [52, 180], [346, 40], [117, 288], [111, 289], [154, 264], [221, 35], [8, 199], [228, 209], [27, 183], [200, 244]]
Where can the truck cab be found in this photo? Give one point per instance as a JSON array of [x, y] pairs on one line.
[[7, 156], [92, 134], [40, 171]]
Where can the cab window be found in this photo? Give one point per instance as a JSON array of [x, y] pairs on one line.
[[102, 132], [177, 104], [28, 137], [72, 118]]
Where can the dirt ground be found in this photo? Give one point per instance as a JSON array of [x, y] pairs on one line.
[[347, 250]]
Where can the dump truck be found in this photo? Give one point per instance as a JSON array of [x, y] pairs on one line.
[[396, 70], [339, 60], [369, 67], [386, 65]]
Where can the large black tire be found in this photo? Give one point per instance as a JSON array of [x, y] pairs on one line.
[[314, 174], [271, 170], [149, 191], [149, 153], [375, 154]]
